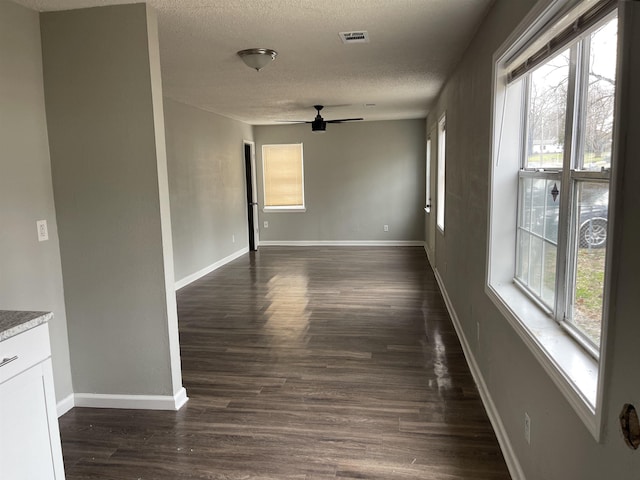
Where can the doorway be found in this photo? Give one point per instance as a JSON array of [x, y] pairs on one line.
[[252, 203]]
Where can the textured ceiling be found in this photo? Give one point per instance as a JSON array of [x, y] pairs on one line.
[[414, 45]]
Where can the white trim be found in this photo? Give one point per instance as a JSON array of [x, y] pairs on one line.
[[64, 405], [574, 372], [342, 243], [441, 176], [297, 208], [494, 417], [557, 353], [429, 254], [138, 402], [214, 266], [277, 209]]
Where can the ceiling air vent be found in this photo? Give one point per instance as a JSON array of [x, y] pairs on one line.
[[354, 37]]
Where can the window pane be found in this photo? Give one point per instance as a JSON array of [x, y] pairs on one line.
[[538, 201], [536, 256], [442, 140], [547, 113], [536, 253], [598, 127], [524, 213], [591, 215], [549, 275], [545, 208], [522, 261], [428, 177], [552, 211]]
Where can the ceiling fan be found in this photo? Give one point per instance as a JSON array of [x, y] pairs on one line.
[[319, 124]]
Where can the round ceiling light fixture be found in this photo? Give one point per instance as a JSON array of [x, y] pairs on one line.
[[257, 58]]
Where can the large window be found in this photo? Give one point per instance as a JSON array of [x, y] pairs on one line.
[[283, 177], [563, 187], [549, 220], [442, 149]]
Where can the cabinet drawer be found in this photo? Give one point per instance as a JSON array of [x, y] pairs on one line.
[[23, 351]]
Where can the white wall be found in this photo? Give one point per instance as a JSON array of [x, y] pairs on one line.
[[561, 446], [30, 272], [357, 177], [207, 187], [104, 113]]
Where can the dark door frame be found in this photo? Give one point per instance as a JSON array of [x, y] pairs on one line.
[[249, 153]]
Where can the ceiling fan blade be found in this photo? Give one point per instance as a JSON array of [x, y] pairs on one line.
[[340, 120], [294, 121]]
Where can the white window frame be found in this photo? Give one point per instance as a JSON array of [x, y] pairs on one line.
[[577, 374], [442, 161], [283, 208], [427, 193]]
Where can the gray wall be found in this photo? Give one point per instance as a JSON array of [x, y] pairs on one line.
[[561, 446], [357, 177], [30, 272], [102, 94], [207, 186]]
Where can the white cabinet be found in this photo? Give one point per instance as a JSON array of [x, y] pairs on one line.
[[29, 436]]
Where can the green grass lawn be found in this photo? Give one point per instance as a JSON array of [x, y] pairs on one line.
[[589, 291]]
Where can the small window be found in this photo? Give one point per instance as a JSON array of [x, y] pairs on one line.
[[442, 138], [283, 177], [427, 205]]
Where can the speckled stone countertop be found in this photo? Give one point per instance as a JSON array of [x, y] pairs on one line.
[[12, 323]]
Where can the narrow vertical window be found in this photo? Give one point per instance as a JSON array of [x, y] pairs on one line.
[[428, 177], [442, 131]]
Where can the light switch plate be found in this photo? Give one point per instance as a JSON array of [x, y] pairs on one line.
[[43, 231]]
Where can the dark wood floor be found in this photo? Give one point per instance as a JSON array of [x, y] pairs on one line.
[[305, 363]]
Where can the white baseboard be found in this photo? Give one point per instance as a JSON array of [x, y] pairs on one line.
[[494, 417], [138, 402], [429, 255], [201, 273], [341, 243], [64, 405]]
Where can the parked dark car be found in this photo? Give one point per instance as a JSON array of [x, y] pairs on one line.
[[593, 226]]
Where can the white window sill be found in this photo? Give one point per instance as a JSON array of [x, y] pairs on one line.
[[284, 209], [572, 369]]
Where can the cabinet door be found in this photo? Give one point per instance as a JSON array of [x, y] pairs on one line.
[[27, 449]]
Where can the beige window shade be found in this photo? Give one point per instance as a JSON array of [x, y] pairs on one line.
[[283, 175], [557, 36]]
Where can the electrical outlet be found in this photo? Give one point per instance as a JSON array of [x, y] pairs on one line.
[[43, 231], [233, 239], [385, 228], [266, 224], [527, 428]]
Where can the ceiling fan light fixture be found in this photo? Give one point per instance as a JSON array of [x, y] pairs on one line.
[[319, 126], [257, 58]]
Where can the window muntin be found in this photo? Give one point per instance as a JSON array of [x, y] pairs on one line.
[[561, 236], [538, 238], [283, 177], [442, 138]]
